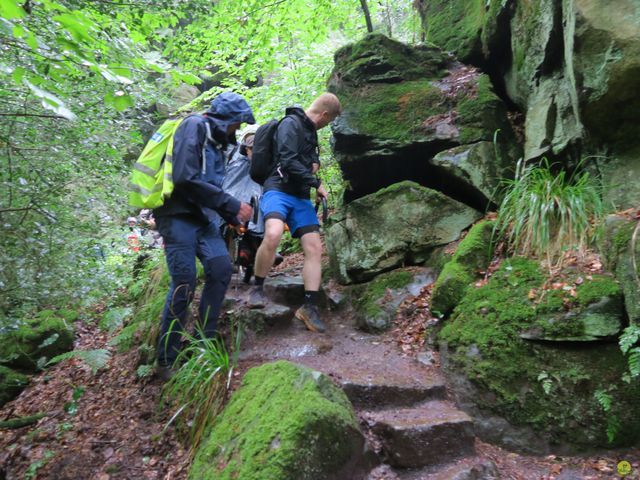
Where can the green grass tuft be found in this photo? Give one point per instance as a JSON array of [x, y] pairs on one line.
[[545, 213]]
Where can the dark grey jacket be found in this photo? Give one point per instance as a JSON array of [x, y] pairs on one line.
[[296, 151], [198, 192]]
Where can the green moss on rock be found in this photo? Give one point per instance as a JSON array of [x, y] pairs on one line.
[[393, 111], [11, 384], [285, 422], [371, 304], [450, 288], [480, 116], [380, 59], [46, 335], [620, 252], [473, 254], [485, 344], [151, 294], [455, 25]]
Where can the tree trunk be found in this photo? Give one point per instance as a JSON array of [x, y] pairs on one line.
[[367, 15]]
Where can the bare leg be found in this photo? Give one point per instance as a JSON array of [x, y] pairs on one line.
[[267, 251], [311, 270]]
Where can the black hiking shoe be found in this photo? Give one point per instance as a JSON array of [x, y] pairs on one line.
[[257, 298], [309, 315], [165, 372]]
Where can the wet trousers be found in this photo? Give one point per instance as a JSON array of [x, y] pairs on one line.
[[186, 240]]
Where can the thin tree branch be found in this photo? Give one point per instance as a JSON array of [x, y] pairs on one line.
[[40, 115]]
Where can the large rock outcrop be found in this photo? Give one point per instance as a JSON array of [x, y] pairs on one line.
[[550, 381], [404, 105], [286, 422], [399, 224], [571, 66]]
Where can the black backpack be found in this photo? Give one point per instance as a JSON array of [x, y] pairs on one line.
[[263, 159]]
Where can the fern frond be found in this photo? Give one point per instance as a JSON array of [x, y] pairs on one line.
[[634, 362], [95, 359], [630, 336]]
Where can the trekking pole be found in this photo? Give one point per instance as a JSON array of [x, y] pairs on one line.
[[325, 211]]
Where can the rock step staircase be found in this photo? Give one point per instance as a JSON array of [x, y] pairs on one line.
[[417, 433]]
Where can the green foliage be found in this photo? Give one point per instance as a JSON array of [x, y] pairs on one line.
[[77, 83], [198, 388], [544, 385], [32, 471], [614, 424], [144, 371], [544, 213], [95, 359], [114, 318], [629, 344], [71, 407], [546, 382]]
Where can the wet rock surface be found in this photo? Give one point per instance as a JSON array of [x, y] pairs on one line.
[[401, 402], [400, 224], [433, 433]]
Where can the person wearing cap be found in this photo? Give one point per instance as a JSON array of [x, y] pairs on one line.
[[189, 221], [134, 235]]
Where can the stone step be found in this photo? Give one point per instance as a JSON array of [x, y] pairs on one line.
[[431, 433], [377, 387], [469, 468], [289, 290]]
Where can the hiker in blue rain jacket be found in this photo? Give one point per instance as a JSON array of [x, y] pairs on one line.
[[189, 221]]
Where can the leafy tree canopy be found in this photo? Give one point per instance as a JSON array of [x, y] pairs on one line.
[[78, 85]]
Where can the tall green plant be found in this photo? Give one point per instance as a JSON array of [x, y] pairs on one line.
[[545, 213], [199, 386]]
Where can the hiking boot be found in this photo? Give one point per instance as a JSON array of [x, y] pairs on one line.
[[309, 315], [278, 260], [257, 298], [165, 372]]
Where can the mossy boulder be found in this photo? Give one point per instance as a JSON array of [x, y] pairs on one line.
[[11, 384], [467, 28], [379, 59], [375, 303], [472, 256], [595, 313], [389, 130], [44, 336], [286, 422], [551, 387], [398, 225], [622, 255]]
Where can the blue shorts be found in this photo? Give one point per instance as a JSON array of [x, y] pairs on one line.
[[296, 212]]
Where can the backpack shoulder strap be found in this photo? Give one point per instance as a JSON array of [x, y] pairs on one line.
[[209, 139]]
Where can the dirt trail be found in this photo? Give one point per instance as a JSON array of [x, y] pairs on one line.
[[117, 432]]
